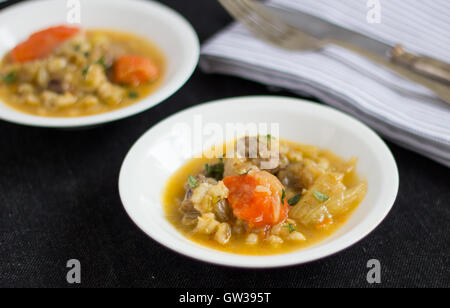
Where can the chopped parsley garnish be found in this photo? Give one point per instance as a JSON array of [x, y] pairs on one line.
[[246, 172], [87, 54], [133, 94], [294, 200], [102, 62], [85, 70], [320, 196], [10, 78], [77, 47], [283, 196], [291, 228], [192, 181], [215, 171]]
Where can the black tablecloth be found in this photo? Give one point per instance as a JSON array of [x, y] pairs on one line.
[[59, 200]]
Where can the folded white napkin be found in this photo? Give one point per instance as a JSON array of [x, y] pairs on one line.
[[404, 112]]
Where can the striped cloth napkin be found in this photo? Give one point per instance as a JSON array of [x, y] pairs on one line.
[[404, 112]]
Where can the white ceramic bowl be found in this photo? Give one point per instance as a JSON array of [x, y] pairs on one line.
[[163, 26], [163, 149]]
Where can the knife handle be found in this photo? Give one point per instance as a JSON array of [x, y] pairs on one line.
[[431, 68], [440, 89]]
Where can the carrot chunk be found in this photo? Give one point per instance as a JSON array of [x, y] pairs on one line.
[[134, 70], [258, 198], [42, 43]]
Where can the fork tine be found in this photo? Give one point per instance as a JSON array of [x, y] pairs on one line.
[[268, 26], [254, 16]]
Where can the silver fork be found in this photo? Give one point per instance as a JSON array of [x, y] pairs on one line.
[[273, 29]]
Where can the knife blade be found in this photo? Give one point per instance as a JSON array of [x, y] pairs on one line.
[[324, 30], [432, 73]]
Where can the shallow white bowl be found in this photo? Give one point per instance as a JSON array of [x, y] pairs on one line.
[[165, 148], [163, 26]]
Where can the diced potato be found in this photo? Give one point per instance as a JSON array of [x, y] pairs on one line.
[[275, 240], [43, 77], [207, 224], [25, 88], [95, 77], [49, 99], [111, 94], [252, 239], [296, 237], [66, 100], [223, 233], [201, 199], [206, 195], [220, 191], [276, 230], [56, 64], [89, 101], [32, 100]]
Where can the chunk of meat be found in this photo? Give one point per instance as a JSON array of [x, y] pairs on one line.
[[294, 177], [223, 211], [260, 152], [300, 175], [256, 197], [42, 43], [187, 206], [57, 86]]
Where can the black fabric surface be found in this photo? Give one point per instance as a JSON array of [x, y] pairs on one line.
[[59, 200]]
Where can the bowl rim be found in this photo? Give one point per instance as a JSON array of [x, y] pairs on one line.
[[221, 258], [167, 89]]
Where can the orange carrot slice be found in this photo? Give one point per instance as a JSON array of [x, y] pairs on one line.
[[134, 70], [257, 198], [42, 43]]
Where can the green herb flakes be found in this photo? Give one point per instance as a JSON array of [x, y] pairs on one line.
[[246, 172], [102, 62], [193, 182], [215, 171], [133, 94], [291, 228], [283, 196], [10, 78], [294, 200], [320, 196], [85, 71]]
